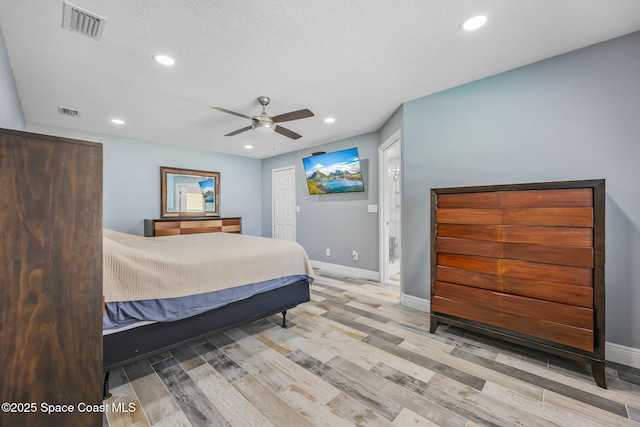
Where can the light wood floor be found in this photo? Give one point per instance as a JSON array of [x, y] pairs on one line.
[[355, 356]]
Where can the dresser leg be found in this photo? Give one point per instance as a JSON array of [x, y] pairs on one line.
[[284, 319], [597, 368], [433, 324]]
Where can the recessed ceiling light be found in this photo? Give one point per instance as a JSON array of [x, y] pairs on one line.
[[117, 121], [474, 23], [329, 120], [248, 147], [164, 59]]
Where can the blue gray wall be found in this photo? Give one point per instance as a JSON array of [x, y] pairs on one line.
[[339, 222], [572, 117], [11, 116], [392, 125], [132, 179]]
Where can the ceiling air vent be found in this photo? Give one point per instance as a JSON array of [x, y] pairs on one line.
[[82, 22], [68, 112]]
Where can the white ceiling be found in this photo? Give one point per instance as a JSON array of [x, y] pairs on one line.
[[355, 60]]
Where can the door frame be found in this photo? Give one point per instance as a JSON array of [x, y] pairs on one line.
[[273, 201], [383, 198]]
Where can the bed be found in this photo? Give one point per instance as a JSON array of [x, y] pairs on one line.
[[164, 292]]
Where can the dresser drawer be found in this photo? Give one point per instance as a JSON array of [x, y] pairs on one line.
[[561, 323], [170, 227]]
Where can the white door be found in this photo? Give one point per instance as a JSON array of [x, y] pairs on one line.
[[284, 203], [389, 155]]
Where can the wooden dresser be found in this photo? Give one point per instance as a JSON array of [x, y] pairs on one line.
[[524, 263], [175, 226], [50, 279]]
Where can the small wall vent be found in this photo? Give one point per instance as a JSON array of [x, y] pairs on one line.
[[68, 112], [82, 22]]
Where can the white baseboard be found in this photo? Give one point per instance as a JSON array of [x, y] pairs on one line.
[[415, 302], [343, 269], [624, 355], [628, 356]]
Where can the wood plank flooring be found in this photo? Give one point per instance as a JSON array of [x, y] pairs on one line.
[[355, 356]]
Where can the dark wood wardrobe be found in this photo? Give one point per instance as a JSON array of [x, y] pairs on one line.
[[524, 263], [50, 280]]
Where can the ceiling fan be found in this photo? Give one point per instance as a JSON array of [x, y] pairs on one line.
[[264, 123]]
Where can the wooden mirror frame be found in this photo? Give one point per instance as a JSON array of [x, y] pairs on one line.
[[165, 213]]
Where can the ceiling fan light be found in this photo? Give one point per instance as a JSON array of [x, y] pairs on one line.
[[263, 126]]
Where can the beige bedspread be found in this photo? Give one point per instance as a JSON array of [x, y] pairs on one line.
[[140, 268]]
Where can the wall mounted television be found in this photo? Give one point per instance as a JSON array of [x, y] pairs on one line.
[[336, 172]]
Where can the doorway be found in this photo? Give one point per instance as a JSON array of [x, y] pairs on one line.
[[283, 203], [389, 162]]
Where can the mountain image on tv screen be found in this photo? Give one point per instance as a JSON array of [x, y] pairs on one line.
[[337, 172]]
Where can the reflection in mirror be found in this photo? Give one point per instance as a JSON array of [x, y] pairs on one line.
[[187, 192]]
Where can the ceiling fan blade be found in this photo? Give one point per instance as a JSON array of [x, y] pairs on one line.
[[287, 132], [224, 110], [293, 115], [235, 132]]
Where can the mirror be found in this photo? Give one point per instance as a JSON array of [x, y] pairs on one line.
[[187, 192]]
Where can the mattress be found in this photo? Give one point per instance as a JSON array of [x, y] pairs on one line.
[[150, 268]]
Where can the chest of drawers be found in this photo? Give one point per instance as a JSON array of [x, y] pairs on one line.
[[524, 263]]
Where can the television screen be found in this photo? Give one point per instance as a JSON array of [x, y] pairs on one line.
[[337, 172]]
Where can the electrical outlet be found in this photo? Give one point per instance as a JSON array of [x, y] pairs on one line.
[[354, 254], [328, 252]]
